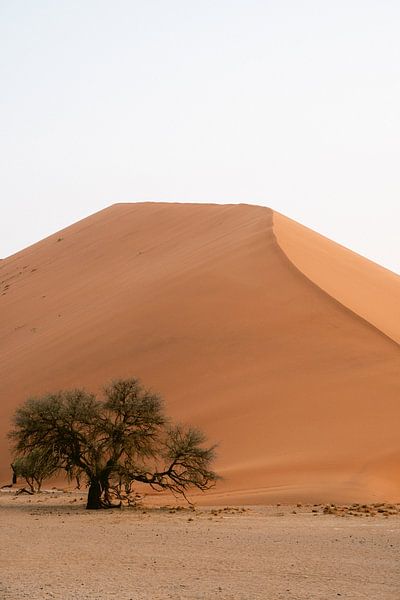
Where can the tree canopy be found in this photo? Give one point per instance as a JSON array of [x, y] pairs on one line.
[[114, 442]]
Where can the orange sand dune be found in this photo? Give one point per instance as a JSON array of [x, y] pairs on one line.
[[279, 343], [366, 288]]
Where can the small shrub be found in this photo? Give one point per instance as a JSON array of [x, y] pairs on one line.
[[34, 467]]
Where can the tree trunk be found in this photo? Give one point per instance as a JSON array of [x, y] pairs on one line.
[[29, 481], [94, 495]]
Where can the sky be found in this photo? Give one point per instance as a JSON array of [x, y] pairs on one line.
[[289, 104]]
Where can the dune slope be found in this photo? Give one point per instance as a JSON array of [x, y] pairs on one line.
[[368, 289], [229, 313]]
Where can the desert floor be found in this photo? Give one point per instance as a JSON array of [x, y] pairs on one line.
[[50, 547]]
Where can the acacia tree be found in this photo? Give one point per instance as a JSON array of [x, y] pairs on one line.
[[114, 442], [34, 467]]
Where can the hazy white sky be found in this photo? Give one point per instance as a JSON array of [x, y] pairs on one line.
[[291, 104]]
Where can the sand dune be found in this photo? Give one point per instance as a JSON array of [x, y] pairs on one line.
[[366, 288], [276, 341]]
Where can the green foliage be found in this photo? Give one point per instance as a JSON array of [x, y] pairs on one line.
[[35, 467], [114, 442]]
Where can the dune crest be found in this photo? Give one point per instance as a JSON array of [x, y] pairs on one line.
[[228, 312], [369, 290]]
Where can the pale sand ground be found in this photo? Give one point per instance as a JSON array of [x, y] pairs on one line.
[[53, 548]]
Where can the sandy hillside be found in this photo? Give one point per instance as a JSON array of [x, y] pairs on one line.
[[282, 345]]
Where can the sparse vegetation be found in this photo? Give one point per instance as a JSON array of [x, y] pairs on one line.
[[362, 510], [34, 467], [113, 443]]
